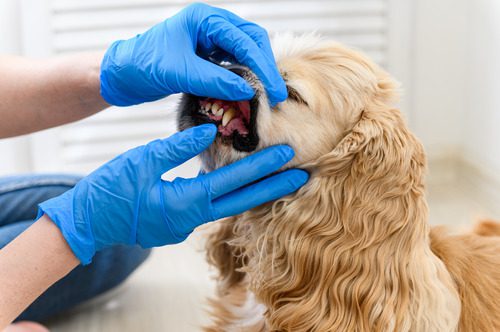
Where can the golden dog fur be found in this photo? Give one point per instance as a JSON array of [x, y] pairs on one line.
[[352, 250]]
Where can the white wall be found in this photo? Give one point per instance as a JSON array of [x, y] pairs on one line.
[[439, 75], [481, 135], [456, 81], [14, 153], [10, 28]]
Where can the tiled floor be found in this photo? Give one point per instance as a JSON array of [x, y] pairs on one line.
[[168, 293]]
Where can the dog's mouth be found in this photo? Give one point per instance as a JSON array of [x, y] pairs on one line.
[[235, 120]]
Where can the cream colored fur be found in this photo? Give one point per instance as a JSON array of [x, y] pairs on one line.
[[352, 250]]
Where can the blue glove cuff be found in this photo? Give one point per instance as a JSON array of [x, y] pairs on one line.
[[120, 77], [109, 85], [77, 233]]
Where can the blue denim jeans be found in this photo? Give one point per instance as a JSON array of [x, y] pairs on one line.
[[19, 196]]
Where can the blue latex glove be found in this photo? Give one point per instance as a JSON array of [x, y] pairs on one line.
[[126, 201], [166, 59]]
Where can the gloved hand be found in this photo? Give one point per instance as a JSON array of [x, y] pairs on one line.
[[164, 60], [126, 201]]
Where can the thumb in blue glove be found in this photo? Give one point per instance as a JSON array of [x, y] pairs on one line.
[[126, 201]]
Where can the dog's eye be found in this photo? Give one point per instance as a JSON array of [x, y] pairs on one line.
[[295, 96]]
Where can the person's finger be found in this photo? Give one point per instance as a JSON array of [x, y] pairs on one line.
[[259, 193], [260, 36], [234, 41], [217, 82], [247, 170], [161, 155], [255, 31]]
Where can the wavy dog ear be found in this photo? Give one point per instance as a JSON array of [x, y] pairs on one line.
[[377, 91], [364, 199], [379, 164]]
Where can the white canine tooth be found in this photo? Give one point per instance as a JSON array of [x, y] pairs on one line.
[[219, 112], [215, 108], [228, 116], [208, 106]]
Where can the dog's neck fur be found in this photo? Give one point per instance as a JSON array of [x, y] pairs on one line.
[[350, 251]]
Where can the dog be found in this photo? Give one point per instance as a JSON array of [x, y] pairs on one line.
[[352, 250]]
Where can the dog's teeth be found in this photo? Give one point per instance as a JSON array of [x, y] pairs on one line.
[[208, 106], [228, 116], [215, 108], [219, 112]]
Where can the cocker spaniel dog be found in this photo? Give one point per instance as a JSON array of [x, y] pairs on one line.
[[352, 250]]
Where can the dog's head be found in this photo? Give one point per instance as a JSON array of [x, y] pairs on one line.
[[320, 259], [328, 85]]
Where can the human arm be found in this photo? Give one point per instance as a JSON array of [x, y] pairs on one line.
[[30, 264], [36, 94]]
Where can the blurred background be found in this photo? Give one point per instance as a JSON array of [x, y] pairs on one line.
[[444, 52]]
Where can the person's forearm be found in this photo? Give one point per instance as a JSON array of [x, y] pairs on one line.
[[29, 265], [36, 94]]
